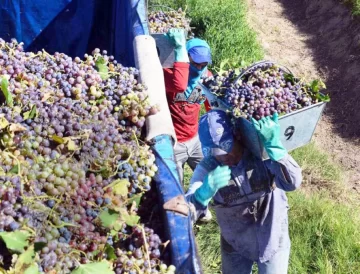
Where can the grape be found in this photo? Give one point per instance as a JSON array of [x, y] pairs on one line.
[[51, 203], [262, 91], [79, 136], [161, 21]]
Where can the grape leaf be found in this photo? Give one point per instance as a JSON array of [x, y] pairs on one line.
[[31, 113], [58, 139], [121, 187], [289, 77], [95, 253], [118, 225], [16, 240], [110, 252], [14, 169], [71, 145], [102, 68], [130, 220], [3, 122], [323, 98], [4, 86], [136, 198], [316, 85], [108, 217], [103, 267], [33, 269], [25, 260]]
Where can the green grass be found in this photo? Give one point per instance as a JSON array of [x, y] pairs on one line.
[[316, 164], [355, 5], [223, 25], [324, 235]]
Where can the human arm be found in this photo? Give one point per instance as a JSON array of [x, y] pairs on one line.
[[204, 185], [285, 169], [176, 78], [287, 173]]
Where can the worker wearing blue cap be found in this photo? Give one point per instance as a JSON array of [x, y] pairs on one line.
[[248, 193], [185, 96]]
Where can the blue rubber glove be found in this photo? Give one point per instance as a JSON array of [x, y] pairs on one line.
[[268, 129], [178, 39], [215, 180]]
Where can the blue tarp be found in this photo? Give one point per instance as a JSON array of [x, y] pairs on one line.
[[76, 27]]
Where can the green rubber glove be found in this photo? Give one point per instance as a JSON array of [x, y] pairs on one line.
[[268, 129], [178, 39], [215, 180]]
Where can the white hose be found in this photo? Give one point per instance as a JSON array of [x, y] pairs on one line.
[[151, 75]]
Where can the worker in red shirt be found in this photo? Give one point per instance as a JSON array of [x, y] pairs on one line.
[[185, 96]]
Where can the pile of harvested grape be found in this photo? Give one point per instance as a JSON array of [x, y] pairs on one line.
[[161, 21], [264, 89], [73, 167]]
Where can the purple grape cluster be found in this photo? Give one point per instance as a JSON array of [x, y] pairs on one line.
[[140, 242], [262, 90], [70, 134], [161, 21]]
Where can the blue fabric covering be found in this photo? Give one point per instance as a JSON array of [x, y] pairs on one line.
[[215, 133], [179, 229], [75, 27]]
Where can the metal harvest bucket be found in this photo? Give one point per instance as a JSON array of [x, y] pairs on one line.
[[296, 128], [164, 47]]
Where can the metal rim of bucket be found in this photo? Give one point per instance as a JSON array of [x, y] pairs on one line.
[[263, 62], [161, 7]]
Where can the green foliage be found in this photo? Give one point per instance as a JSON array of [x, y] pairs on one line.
[[208, 240], [102, 68], [4, 87], [223, 25], [33, 269], [324, 235], [103, 267], [355, 4], [16, 240], [26, 262], [317, 164], [109, 217]]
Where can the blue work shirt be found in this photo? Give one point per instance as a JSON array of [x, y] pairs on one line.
[[252, 209]]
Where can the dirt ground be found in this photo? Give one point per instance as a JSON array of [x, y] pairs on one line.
[[319, 39]]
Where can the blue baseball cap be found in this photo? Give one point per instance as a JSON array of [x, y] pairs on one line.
[[216, 133], [199, 50]]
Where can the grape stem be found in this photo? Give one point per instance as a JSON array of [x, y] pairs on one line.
[[62, 225], [29, 229], [78, 252], [48, 54], [136, 139], [145, 244]]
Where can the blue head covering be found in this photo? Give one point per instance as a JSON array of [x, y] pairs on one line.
[[199, 51], [215, 133]]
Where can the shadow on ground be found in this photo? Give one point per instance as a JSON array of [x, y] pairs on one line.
[[335, 43]]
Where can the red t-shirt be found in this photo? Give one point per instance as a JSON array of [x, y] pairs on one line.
[[184, 115]]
